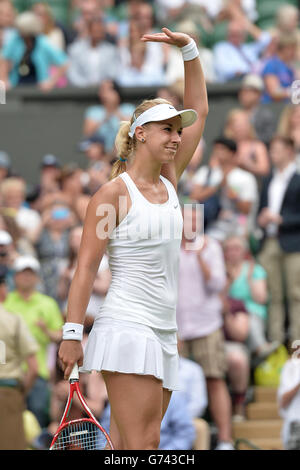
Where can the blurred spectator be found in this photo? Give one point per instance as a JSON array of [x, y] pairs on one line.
[[279, 72], [193, 385], [248, 282], [86, 11], [20, 346], [90, 56], [199, 317], [5, 165], [185, 183], [13, 192], [49, 174], [236, 330], [104, 119], [242, 54], [53, 33], [44, 320], [287, 21], [289, 126], [261, 117], [170, 10], [289, 401], [93, 148], [7, 20], [175, 66], [177, 429], [21, 244], [97, 174], [51, 241], [8, 255], [173, 93], [235, 191], [142, 63], [28, 55], [101, 284], [279, 218], [252, 154]]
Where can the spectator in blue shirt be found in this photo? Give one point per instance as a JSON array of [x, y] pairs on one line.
[[279, 72], [104, 119], [235, 58], [177, 428], [27, 56]]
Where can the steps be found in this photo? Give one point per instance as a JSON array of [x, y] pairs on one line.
[[263, 444], [262, 428], [262, 410]]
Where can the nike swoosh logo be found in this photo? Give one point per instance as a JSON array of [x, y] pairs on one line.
[[71, 331], [176, 205]]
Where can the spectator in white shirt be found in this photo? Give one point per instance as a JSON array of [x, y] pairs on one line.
[[93, 59], [175, 67], [235, 57], [289, 401], [235, 189], [13, 192]]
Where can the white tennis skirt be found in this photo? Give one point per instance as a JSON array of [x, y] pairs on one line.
[[132, 348]]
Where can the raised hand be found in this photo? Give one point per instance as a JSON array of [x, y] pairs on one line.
[[174, 39]]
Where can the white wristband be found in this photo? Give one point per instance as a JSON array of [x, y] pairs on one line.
[[73, 331], [190, 51]]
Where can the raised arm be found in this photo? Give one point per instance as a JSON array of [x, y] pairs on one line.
[[195, 97]]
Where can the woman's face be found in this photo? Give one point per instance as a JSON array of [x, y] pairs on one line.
[[162, 138], [240, 126], [42, 13], [234, 250]]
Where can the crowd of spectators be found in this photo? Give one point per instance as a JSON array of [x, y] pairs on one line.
[[239, 287]]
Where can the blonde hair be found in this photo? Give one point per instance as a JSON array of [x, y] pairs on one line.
[[284, 127], [126, 145], [12, 183], [230, 117]]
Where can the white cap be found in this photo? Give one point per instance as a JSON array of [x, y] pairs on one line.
[[161, 112], [5, 238], [253, 81], [26, 262]]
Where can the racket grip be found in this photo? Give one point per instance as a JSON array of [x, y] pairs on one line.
[[75, 373]]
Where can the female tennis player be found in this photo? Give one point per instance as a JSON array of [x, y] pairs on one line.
[[133, 340]]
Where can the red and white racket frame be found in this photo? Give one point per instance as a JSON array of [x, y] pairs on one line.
[[74, 387]]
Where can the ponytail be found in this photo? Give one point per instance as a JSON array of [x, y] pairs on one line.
[[124, 146]]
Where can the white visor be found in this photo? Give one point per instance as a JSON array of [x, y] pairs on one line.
[[161, 112]]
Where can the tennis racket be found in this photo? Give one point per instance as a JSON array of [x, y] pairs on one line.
[[83, 433]]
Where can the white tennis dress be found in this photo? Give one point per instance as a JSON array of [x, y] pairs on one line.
[[135, 329]]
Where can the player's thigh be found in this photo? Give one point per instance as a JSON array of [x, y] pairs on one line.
[[136, 400], [166, 400]]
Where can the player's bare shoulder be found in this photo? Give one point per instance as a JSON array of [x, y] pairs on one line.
[[110, 192], [112, 197]]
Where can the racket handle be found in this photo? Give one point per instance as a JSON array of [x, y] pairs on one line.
[[75, 373]]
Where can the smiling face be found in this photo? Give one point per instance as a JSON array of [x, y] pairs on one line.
[[162, 138]]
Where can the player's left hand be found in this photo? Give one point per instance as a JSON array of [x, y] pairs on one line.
[[174, 39]]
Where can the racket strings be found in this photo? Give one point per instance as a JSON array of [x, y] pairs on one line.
[[80, 436]]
